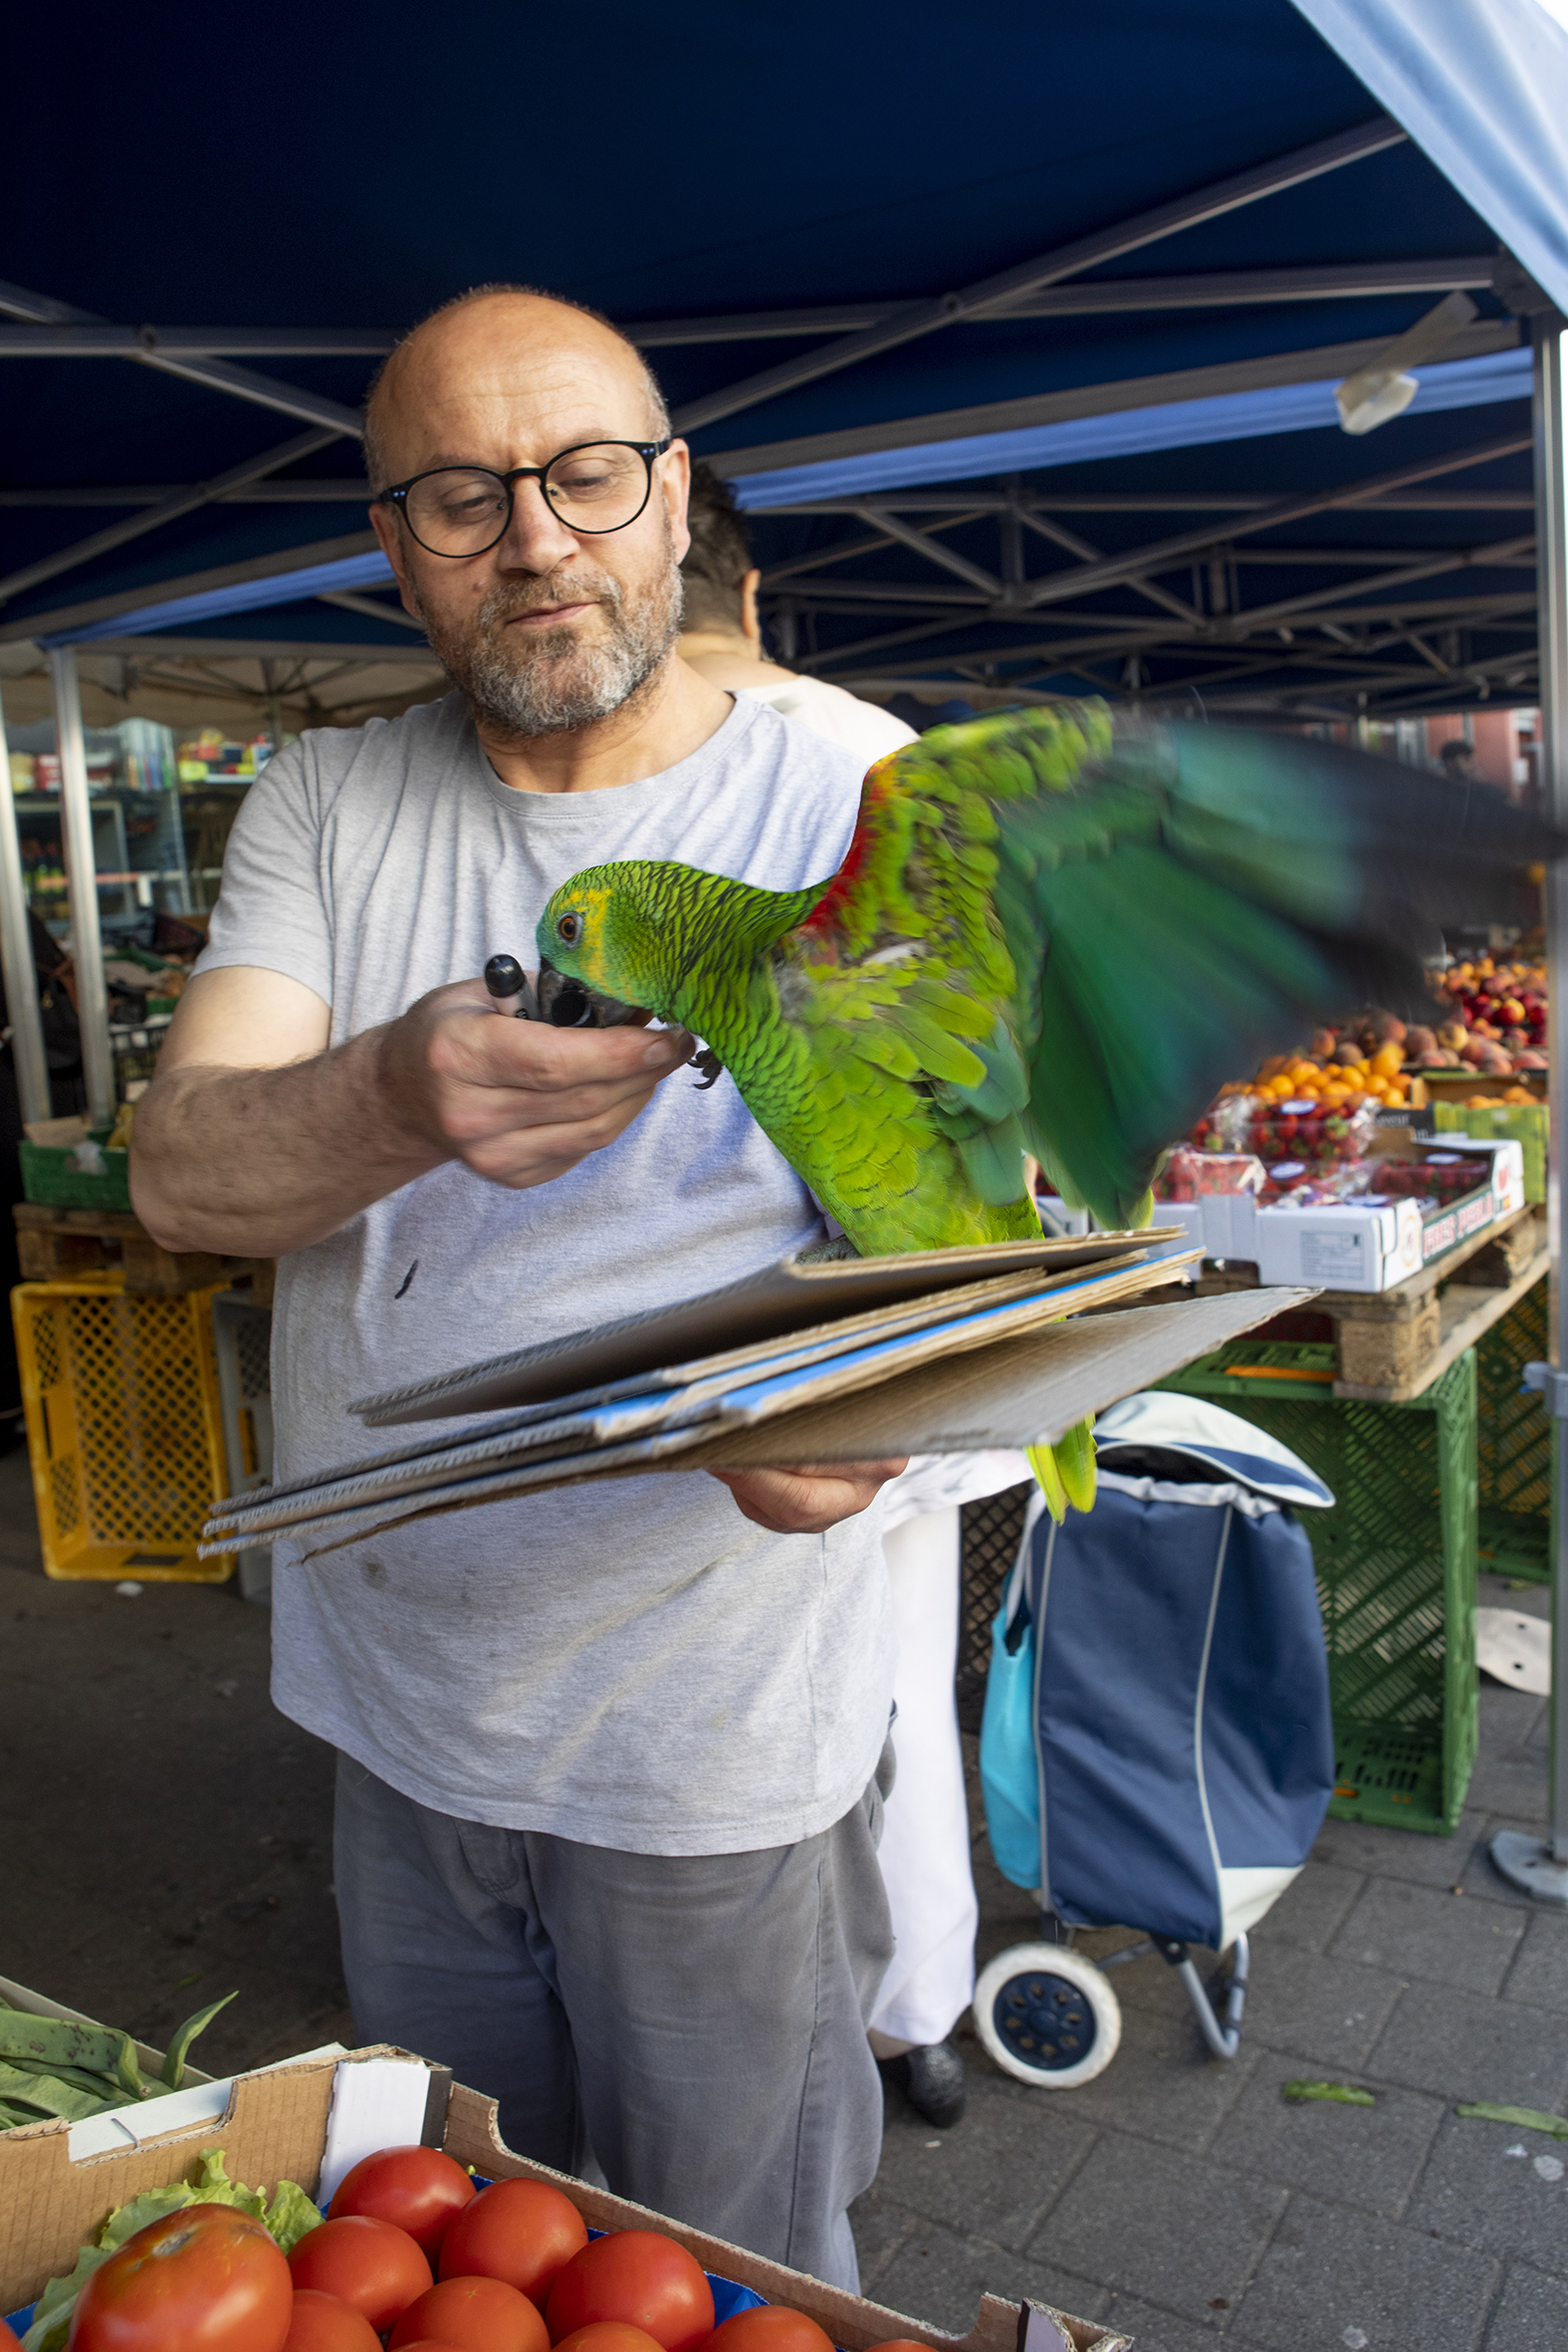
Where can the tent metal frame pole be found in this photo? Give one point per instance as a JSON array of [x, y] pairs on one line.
[[1540, 1865], [87, 942], [913, 320], [16, 960]]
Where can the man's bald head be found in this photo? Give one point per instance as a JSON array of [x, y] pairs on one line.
[[506, 332]]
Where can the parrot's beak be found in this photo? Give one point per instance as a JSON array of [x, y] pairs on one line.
[[570, 1004]]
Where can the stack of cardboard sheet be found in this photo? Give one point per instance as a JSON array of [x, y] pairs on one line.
[[938, 1353]]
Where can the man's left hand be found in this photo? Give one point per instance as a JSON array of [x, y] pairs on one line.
[[810, 1498]]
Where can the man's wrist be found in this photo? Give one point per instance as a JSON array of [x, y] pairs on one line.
[[385, 1085]]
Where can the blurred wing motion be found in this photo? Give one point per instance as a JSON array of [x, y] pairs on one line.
[[1115, 917], [1054, 931]]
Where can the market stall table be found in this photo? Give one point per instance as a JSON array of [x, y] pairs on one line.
[[1391, 1345]]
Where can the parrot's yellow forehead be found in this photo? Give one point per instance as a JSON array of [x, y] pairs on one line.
[[574, 931]]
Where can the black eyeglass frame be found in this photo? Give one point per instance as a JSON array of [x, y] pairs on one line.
[[398, 495]]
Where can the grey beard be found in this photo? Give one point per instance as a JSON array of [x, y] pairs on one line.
[[552, 683]]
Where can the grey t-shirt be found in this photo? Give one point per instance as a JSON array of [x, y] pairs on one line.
[[631, 1664]]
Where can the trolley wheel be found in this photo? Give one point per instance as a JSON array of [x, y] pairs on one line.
[[1048, 2015]]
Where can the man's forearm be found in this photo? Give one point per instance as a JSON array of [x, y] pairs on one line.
[[264, 1161]]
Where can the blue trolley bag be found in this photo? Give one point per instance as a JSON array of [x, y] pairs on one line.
[[1180, 1706]]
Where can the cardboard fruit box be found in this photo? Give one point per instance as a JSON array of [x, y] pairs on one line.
[[1354, 1245], [277, 2126]]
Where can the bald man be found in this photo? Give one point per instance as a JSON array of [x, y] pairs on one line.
[[608, 1788]]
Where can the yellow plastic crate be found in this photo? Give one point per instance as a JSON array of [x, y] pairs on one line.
[[125, 1428]]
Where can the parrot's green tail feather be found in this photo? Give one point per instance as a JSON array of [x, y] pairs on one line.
[[1043, 1464], [1075, 1465], [1065, 1470]]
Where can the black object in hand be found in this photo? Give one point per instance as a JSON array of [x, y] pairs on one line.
[[504, 977]]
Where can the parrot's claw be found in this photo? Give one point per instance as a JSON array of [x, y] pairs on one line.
[[711, 1067]]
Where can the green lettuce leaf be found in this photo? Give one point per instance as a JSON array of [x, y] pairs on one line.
[[142, 2213], [213, 2186], [51, 2315], [291, 2216]]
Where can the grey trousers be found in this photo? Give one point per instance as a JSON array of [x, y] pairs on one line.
[[696, 2020]]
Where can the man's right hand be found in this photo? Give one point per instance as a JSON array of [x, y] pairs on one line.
[[517, 1101], [255, 1138]]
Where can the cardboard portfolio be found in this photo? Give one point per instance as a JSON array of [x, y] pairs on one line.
[[789, 1296], [847, 1361]]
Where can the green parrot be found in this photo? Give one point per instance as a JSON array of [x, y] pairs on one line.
[[1058, 931]]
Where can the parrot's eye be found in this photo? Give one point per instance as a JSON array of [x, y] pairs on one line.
[[568, 928]]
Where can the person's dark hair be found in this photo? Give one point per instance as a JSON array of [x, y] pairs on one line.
[[719, 557]]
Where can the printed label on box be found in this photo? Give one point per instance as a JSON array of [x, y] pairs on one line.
[[1334, 1259], [1474, 1214], [1440, 1234]]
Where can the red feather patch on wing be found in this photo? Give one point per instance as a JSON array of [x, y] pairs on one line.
[[874, 792]]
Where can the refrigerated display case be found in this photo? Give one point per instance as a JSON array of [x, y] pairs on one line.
[[216, 772], [138, 830]]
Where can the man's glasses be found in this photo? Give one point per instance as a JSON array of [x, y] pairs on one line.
[[461, 509]]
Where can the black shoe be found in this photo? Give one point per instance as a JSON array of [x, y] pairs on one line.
[[935, 2083]]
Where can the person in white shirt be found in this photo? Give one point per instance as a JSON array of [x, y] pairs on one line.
[[722, 637], [925, 1850]]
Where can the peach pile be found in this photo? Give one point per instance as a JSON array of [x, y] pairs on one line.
[[1492, 1020]]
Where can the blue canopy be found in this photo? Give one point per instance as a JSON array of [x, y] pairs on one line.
[[1017, 334]]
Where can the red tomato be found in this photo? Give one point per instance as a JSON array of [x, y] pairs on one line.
[[484, 2314], [524, 2232], [607, 2335], [770, 2327], [638, 2275], [415, 2189], [8, 2337], [321, 2323], [369, 2263], [208, 2278], [901, 2344]]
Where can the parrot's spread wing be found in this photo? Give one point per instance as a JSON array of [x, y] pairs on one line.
[[1074, 931]]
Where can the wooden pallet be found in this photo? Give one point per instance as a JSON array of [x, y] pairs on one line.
[[57, 1245], [1393, 1344]]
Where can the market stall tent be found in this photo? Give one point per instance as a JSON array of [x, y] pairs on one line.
[[1020, 336], [874, 270]]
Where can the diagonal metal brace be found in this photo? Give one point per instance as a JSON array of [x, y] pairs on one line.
[[1551, 1385]]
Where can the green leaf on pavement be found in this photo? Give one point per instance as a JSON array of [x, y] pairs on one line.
[[1343, 2094], [1529, 2119]]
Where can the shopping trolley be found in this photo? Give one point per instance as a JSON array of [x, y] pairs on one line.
[[1156, 1748]]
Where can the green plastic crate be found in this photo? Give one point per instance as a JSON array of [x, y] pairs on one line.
[[50, 1178], [1514, 1444], [1396, 1568], [1525, 1122]]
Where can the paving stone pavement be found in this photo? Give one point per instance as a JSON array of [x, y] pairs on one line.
[[170, 1836], [1185, 2201]]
